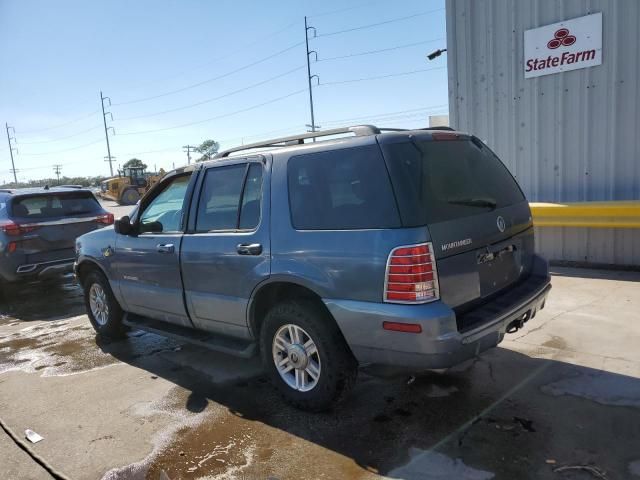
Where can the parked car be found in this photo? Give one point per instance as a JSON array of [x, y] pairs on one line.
[[413, 249], [38, 229]]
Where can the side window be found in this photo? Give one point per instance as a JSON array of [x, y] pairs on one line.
[[250, 211], [164, 213], [341, 189], [224, 204]]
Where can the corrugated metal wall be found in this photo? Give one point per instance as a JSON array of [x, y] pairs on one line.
[[567, 137]]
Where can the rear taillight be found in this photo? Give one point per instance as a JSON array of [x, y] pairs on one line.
[[411, 275], [15, 229], [105, 219]]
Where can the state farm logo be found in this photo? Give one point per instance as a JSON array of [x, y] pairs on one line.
[[563, 46], [561, 37]]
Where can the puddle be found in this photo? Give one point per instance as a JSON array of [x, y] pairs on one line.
[[427, 465], [222, 444], [69, 347], [602, 387]]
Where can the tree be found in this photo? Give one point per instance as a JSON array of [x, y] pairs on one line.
[[208, 149], [134, 162]]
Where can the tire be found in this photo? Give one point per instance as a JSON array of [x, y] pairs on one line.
[[332, 361], [129, 197], [106, 314]]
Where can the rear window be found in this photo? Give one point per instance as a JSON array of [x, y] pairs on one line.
[[341, 190], [436, 181], [55, 205], [3, 205]]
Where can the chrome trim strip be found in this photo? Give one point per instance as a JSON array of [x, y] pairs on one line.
[[30, 267], [63, 221]]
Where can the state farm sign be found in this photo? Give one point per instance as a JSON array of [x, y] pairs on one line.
[[563, 46]]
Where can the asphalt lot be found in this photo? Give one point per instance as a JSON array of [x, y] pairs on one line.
[[562, 392]]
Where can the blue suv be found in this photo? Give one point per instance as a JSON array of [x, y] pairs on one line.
[[325, 251]]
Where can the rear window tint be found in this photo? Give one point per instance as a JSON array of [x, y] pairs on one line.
[[341, 190], [55, 205], [436, 181], [3, 205]]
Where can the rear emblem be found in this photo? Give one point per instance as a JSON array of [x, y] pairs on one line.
[[500, 223]]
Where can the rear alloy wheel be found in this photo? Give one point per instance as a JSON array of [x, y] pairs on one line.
[[130, 196], [306, 356], [296, 357], [103, 309]]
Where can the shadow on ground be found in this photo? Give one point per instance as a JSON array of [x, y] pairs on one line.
[[54, 300], [506, 413]]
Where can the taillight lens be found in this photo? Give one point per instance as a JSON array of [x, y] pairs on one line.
[[411, 275], [15, 229], [105, 219]]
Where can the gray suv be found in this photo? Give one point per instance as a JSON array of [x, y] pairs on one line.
[[404, 248], [38, 230]]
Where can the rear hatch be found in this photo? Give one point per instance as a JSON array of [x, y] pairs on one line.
[[477, 216], [45, 225]]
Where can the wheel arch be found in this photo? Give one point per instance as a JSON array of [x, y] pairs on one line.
[[85, 266], [270, 293]]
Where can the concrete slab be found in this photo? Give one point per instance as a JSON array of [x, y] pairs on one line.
[[560, 392]]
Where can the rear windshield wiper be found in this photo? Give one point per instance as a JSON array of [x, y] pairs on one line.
[[474, 202]]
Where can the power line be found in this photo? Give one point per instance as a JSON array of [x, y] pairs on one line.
[[252, 107], [340, 10], [231, 53], [62, 151], [209, 100], [377, 24], [387, 114], [378, 77], [370, 52], [61, 124], [209, 80], [61, 138]]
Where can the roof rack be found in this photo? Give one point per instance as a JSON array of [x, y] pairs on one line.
[[358, 130]]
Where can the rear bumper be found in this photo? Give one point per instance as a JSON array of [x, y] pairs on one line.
[[441, 344], [11, 272]]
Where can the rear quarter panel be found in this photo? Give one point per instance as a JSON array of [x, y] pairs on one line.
[[337, 264]]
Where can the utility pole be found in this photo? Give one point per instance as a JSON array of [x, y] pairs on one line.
[[110, 159], [106, 130], [57, 169], [309, 76], [188, 148], [11, 149]]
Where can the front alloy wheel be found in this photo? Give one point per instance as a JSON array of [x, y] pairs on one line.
[[296, 357], [98, 304]]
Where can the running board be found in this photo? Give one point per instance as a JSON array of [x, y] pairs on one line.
[[218, 343]]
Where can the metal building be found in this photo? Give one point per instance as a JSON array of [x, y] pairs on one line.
[[567, 136]]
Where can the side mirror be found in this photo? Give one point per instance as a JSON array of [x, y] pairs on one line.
[[123, 225]]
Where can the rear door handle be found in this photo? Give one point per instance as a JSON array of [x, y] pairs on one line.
[[249, 249], [165, 248]]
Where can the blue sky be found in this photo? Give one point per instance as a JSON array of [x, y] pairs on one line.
[[58, 55]]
